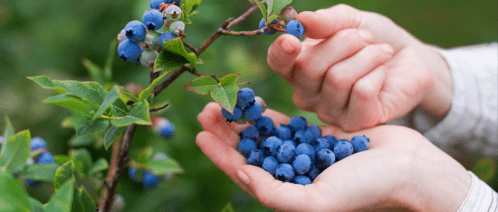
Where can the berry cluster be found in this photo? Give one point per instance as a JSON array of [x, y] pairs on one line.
[[292, 26], [147, 178], [38, 144], [137, 42], [294, 152]]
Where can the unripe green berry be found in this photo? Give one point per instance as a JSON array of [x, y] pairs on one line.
[[148, 57]]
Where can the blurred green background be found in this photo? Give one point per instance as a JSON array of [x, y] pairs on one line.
[[50, 38]]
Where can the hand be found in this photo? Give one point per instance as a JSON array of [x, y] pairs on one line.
[[358, 69], [401, 170]]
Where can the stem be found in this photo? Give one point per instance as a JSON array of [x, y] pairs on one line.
[[169, 80], [112, 167], [196, 73], [118, 171], [242, 33], [188, 45], [243, 16]]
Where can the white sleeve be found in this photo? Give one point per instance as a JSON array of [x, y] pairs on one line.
[[480, 197], [471, 125]]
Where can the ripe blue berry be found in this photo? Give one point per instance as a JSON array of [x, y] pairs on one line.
[[255, 158], [153, 19], [264, 125], [302, 164], [246, 146], [285, 172], [261, 102], [315, 131], [282, 132], [322, 143], [294, 27], [267, 31], [286, 153], [270, 164], [165, 128], [307, 149], [332, 141], [291, 142], [237, 113], [324, 158], [303, 136], [32, 182], [360, 143], [313, 173], [342, 149], [165, 37], [253, 112], [135, 31], [129, 51], [297, 123], [150, 180], [250, 132], [302, 179], [154, 4], [245, 97], [38, 143], [270, 146], [45, 157], [132, 172]]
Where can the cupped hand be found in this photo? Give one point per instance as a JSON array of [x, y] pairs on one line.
[[358, 69], [401, 170]]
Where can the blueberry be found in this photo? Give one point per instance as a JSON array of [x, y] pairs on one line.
[[264, 125], [150, 180], [302, 179], [45, 157], [237, 113], [286, 153], [154, 4], [342, 149], [306, 149], [250, 132], [285, 172], [153, 19], [135, 31], [270, 164], [297, 123], [132, 172], [176, 2], [267, 31], [167, 129], [324, 158], [290, 142], [270, 146], [32, 182], [246, 146], [282, 132], [245, 97], [294, 27], [315, 131], [360, 143], [38, 143], [332, 140], [302, 164], [2, 139], [261, 101], [303, 136], [129, 51], [253, 112], [255, 158], [322, 143], [165, 37], [313, 173]]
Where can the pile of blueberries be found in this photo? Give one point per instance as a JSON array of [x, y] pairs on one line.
[[38, 144], [294, 152], [138, 44]]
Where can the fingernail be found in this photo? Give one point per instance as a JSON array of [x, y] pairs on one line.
[[243, 176], [287, 47], [387, 48], [365, 34]]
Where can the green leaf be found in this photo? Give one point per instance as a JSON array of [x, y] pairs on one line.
[[12, 195], [83, 156], [164, 166], [278, 5], [109, 98], [144, 156], [174, 56], [41, 172], [110, 136], [61, 159], [89, 127], [63, 173], [139, 114], [145, 93], [201, 85], [271, 18], [189, 7], [94, 70], [15, 152], [226, 93], [69, 101], [228, 208], [270, 7], [9, 129], [62, 200], [99, 165], [78, 141], [127, 96], [36, 206], [82, 202], [263, 10], [110, 60]]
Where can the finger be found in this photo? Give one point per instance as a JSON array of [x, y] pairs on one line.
[[211, 120], [277, 195], [282, 54], [324, 23], [340, 78], [313, 63]]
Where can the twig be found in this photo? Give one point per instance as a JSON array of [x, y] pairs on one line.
[[188, 45], [112, 167], [196, 73], [243, 16], [242, 33], [168, 81]]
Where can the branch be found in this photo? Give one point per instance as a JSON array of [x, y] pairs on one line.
[[112, 167], [188, 45], [242, 33], [122, 159], [243, 16], [168, 81], [196, 73]]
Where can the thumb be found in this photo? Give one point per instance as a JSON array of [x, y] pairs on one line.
[[275, 194], [324, 23], [282, 55]]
